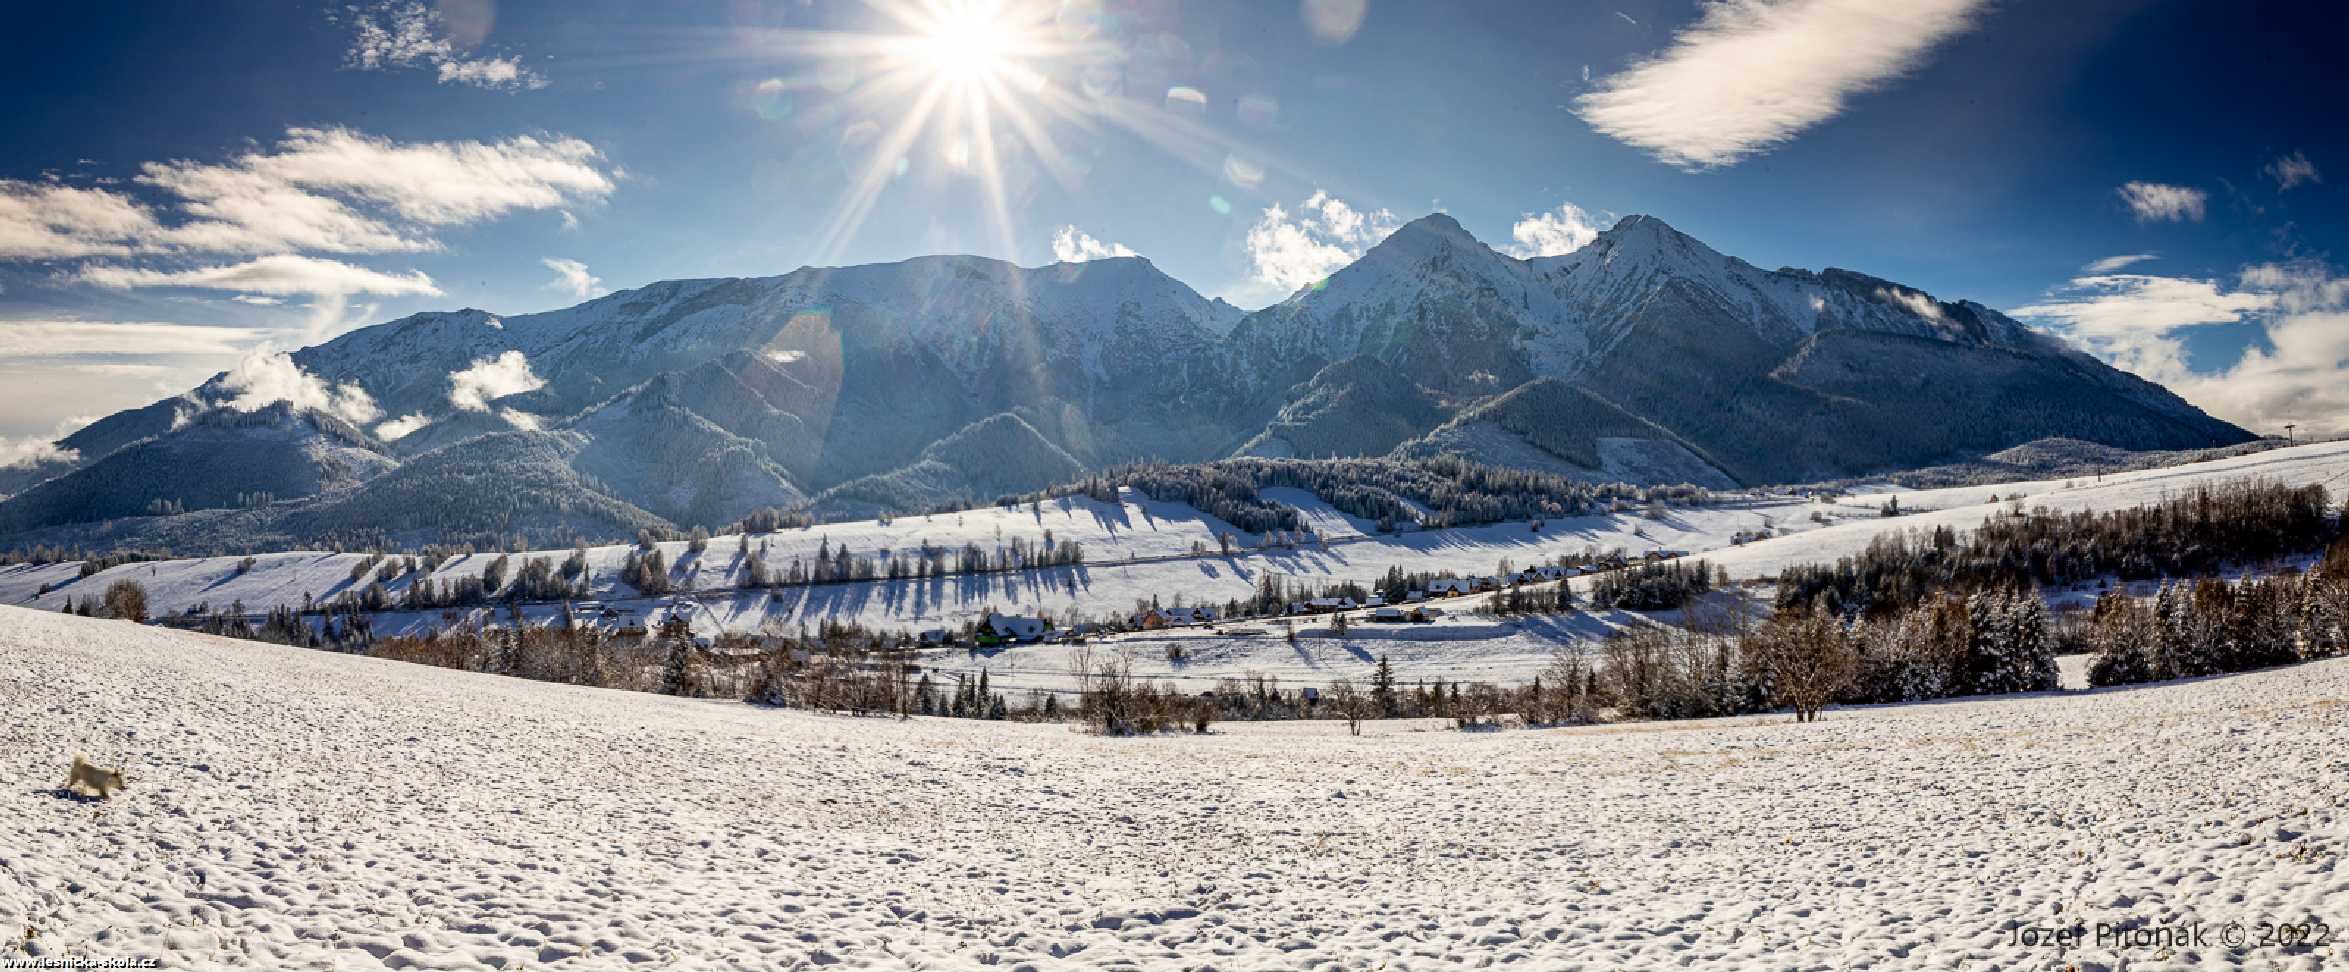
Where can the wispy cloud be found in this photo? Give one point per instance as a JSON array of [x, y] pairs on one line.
[[572, 276], [2155, 201], [411, 35], [318, 190], [2293, 170], [1325, 234], [402, 427], [2122, 262], [70, 338], [1914, 302], [1563, 230], [1072, 245], [31, 450], [280, 275], [51, 221], [489, 379], [1750, 74], [328, 283]]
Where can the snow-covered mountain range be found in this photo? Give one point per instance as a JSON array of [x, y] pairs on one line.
[[1644, 356]]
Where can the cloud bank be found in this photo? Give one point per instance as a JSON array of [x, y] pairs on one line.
[[2300, 375]]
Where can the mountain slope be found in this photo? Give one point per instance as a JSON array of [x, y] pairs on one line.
[[992, 457], [1551, 426], [221, 458], [648, 446]]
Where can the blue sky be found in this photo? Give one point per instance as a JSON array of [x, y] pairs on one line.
[[183, 184]]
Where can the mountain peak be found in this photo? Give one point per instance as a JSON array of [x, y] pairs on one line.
[[1437, 224], [1638, 224]]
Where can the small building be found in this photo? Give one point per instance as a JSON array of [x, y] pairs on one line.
[[1375, 600], [1451, 586], [1172, 617], [937, 636], [1414, 597], [1001, 629], [1325, 605], [1483, 584], [1388, 615]]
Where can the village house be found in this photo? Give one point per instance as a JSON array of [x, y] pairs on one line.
[[1000, 629], [1171, 618], [1450, 587]]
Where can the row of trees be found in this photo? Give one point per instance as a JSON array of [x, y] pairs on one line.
[[1442, 491], [2200, 533], [2212, 627]]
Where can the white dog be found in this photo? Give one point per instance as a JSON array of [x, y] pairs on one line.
[[89, 780]]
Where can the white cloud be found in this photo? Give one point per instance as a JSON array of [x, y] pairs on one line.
[[328, 190], [2122, 262], [410, 34], [1072, 245], [55, 339], [2300, 376], [572, 276], [402, 427], [2157, 201], [281, 275], [330, 284], [30, 450], [267, 376], [2292, 170], [520, 420], [1325, 234], [48, 221], [490, 379], [257, 300], [1914, 302], [1750, 74], [2114, 306], [1563, 231], [340, 191]]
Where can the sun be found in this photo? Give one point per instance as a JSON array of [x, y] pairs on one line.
[[970, 44], [985, 88]]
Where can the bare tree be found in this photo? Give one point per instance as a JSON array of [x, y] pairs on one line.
[[1805, 657], [1351, 704]]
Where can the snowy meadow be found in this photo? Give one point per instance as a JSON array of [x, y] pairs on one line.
[[299, 809]]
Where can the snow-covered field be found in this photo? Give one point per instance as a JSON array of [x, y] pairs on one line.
[[1141, 549], [293, 809]]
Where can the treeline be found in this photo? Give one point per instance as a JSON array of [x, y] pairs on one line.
[[2211, 627], [2200, 533], [1451, 491]]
